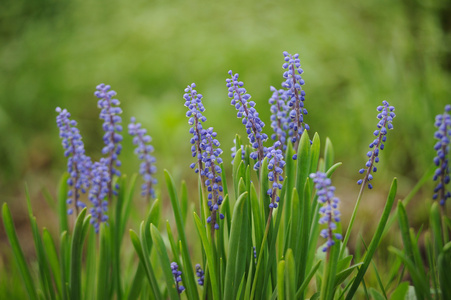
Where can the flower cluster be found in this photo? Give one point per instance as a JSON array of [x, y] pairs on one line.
[[78, 164], [193, 101], [295, 96], [205, 147], [177, 277], [249, 116], [329, 210], [211, 159], [200, 275], [279, 120], [110, 114], [144, 151], [443, 133], [275, 167], [385, 116], [98, 192]]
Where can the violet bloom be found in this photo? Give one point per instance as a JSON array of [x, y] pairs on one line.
[[78, 164], [144, 151], [210, 158], [329, 210], [295, 97], [279, 113], [200, 275], [443, 133], [177, 277], [193, 101], [98, 193], [249, 115], [275, 167], [110, 114], [385, 116]]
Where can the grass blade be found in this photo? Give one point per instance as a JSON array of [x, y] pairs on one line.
[[17, 251], [375, 241], [192, 294], [164, 261]]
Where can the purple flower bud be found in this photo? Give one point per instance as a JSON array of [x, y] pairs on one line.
[[443, 124], [385, 117], [329, 210], [143, 150]]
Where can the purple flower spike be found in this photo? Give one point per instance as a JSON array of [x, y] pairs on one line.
[[249, 115], [177, 277], [200, 275], [385, 116], [98, 193], [295, 97], [110, 114], [193, 101], [78, 164], [279, 116], [329, 210], [210, 158], [275, 167], [443, 133], [144, 151]]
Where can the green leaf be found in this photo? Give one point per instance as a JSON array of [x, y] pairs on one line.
[[135, 288], [231, 281], [303, 164], [290, 275], [328, 154], [436, 228], [164, 261], [76, 250], [145, 263], [443, 267], [309, 277], [192, 294], [184, 201], [404, 226], [421, 286], [52, 257], [103, 263], [62, 198], [342, 275], [375, 294], [127, 204], [17, 251], [400, 292], [64, 254], [281, 280], [210, 257], [375, 241]]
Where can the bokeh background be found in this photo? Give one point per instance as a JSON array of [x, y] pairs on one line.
[[354, 53]]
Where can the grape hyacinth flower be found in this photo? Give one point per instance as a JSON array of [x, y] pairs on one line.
[[98, 192], [193, 101], [443, 133], [110, 114], [279, 120], [177, 277], [275, 167], [144, 151], [200, 275], [385, 116], [78, 164], [249, 116], [210, 157], [295, 97], [329, 210]]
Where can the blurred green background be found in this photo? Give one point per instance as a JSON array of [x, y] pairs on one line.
[[354, 53]]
